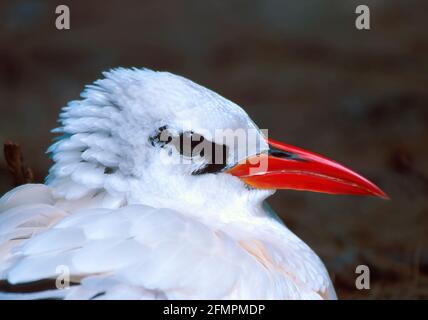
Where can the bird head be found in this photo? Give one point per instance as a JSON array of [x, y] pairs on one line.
[[140, 136]]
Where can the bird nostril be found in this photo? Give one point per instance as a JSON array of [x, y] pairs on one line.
[[285, 154]]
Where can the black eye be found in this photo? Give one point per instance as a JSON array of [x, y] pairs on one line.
[[191, 145]]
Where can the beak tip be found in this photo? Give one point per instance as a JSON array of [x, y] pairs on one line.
[[384, 196], [377, 192]]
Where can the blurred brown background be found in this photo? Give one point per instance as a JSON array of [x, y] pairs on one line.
[[300, 69]]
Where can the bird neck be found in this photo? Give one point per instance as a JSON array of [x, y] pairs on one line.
[[216, 197]]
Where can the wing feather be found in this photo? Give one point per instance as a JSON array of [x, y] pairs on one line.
[[139, 252]]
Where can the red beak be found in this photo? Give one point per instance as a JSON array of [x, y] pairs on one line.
[[288, 167]]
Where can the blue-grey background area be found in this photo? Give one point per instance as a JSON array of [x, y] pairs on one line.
[[300, 69]]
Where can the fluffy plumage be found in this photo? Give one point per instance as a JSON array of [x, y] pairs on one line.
[[128, 225]]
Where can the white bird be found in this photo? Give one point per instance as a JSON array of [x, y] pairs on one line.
[[123, 216]]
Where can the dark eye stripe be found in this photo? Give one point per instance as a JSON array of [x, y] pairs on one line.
[[210, 151], [190, 144], [212, 166]]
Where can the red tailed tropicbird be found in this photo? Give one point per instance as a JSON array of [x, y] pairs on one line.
[[123, 216]]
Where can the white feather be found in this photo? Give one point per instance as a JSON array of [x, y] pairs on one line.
[[26, 194], [127, 225]]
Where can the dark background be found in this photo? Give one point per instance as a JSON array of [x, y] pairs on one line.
[[299, 68]]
